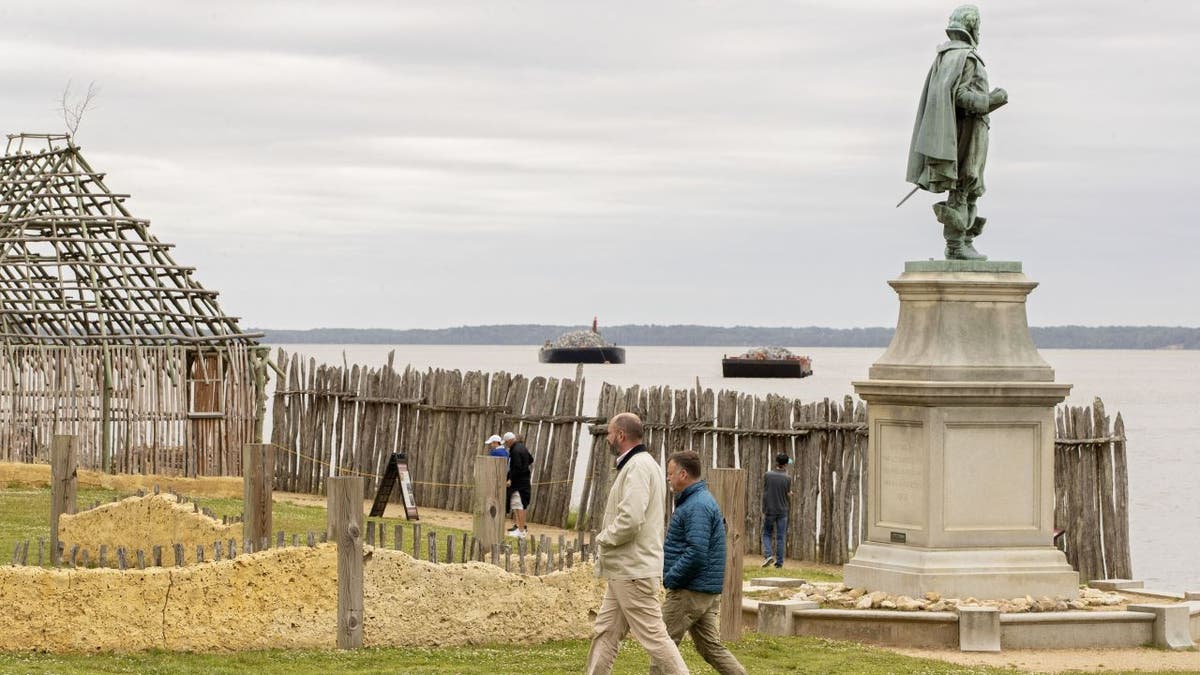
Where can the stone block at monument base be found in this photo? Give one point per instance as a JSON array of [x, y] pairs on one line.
[[961, 453]]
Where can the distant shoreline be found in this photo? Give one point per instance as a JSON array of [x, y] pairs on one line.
[[1045, 337]]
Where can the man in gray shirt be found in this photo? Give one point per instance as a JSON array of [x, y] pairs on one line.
[[776, 504]]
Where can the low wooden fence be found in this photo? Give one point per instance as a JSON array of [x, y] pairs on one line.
[[350, 419], [535, 556]]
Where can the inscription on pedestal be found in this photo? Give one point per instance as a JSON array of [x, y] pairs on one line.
[[901, 476]]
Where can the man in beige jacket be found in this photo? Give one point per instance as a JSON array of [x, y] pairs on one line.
[[630, 556]]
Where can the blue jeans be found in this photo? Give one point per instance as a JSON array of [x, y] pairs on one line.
[[774, 528]]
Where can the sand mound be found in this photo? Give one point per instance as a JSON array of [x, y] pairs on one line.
[[287, 598], [420, 603], [143, 523]]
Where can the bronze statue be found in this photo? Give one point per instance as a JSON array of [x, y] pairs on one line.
[[950, 139]]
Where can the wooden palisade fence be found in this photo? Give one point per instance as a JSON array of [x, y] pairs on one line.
[[826, 440], [352, 419], [168, 410], [1091, 492]]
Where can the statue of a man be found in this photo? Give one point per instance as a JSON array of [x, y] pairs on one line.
[[950, 139]]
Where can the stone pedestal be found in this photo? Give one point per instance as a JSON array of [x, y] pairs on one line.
[[961, 454]]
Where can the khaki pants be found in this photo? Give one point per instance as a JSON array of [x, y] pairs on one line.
[[699, 614], [631, 606]]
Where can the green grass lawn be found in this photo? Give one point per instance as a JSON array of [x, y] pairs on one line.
[[759, 654], [25, 516], [807, 573]]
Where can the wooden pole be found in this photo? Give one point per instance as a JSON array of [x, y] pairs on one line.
[[258, 470], [106, 446], [728, 487], [345, 503], [488, 505], [64, 456]]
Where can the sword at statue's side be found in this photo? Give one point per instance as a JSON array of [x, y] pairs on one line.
[[914, 191]]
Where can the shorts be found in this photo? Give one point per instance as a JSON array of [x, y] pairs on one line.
[[514, 502]]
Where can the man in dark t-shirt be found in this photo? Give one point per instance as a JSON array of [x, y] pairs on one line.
[[520, 469], [776, 504]]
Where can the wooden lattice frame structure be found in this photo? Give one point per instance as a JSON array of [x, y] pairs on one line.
[[105, 335]]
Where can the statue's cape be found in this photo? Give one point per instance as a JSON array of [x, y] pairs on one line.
[[933, 154]]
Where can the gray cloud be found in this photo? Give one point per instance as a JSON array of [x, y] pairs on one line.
[[429, 164]]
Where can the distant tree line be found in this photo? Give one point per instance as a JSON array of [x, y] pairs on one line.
[[1049, 337]]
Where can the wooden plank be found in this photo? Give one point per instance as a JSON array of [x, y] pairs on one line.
[[1085, 493], [596, 452], [1104, 487], [345, 502], [1119, 548], [258, 462], [728, 487], [488, 508], [64, 451], [727, 410]]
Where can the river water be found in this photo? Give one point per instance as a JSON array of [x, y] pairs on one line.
[[1156, 392]]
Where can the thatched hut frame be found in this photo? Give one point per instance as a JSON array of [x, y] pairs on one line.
[[103, 335]]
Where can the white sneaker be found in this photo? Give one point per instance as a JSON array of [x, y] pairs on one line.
[[522, 535], [768, 562]]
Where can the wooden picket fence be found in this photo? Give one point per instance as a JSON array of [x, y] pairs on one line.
[[534, 556]]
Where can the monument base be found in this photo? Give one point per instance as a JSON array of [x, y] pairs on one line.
[[960, 459], [981, 573]]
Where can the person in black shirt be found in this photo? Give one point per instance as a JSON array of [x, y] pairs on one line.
[[776, 504], [520, 469]]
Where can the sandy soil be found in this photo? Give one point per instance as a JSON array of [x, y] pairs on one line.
[[1065, 660], [287, 598], [142, 523]]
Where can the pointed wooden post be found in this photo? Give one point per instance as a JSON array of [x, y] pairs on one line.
[[488, 506], [64, 455], [728, 487], [258, 469], [345, 503]]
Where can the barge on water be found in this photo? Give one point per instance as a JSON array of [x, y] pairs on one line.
[[766, 362], [581, 346]]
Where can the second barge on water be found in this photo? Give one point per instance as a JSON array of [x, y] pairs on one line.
[[766, 362]]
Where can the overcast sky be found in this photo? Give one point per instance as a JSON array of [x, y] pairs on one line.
[[405, 164]]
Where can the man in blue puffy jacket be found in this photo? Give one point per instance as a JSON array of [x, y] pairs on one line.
[[694, 564]]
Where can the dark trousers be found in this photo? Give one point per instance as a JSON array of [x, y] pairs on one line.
[[774, 528]]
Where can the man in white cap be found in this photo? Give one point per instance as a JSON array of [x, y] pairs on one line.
[[495, 446], [520, 471]]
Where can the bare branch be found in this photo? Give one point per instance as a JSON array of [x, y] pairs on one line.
[[73, 111]]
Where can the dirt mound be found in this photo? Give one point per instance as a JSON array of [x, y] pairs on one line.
[[287, 598], [143, 523], [414, 602]]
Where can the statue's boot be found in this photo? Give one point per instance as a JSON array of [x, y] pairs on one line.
[[977, 223], [954, 227]]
